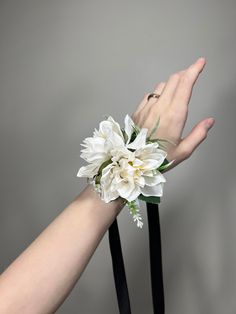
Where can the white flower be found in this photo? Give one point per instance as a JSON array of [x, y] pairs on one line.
[[133, 173], [132, 169], [98, 148]]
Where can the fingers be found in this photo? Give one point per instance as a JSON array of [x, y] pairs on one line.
[[175, 93], [198, 134], [141, 105], [167, 90], [186, 82], [158, 90]]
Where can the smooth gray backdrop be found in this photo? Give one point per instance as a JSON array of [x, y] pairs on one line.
[[64, 64]]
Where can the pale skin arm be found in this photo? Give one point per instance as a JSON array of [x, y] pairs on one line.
[[42, 276], [40, 279]]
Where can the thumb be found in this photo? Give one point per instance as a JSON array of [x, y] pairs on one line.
[[197, 135]]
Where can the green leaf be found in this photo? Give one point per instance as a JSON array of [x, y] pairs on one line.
[[150, 199], [125, 135], [134, 134], [132, 207], [103, 165], [165, 164]]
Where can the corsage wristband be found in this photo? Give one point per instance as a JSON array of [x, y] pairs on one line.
[[128, 163], [125, 162]]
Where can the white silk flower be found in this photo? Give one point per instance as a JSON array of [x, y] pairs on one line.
[[133, 166]]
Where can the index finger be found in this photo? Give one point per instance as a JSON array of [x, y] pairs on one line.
[[184, 89]]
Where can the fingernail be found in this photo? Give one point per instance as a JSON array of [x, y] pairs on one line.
[[209, 123], [201, 59]]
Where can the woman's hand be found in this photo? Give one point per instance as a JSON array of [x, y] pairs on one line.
[[172, 109]]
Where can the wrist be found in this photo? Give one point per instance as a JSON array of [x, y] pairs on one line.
[[99, 211]]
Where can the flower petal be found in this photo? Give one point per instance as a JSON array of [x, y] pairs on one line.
[[108, 195], [156, 190], [150, 164], [137, 162], [154, 180], [134, 194], [109, 126], [125, 188], [140, 140], [94, 150], [140, 181], [114, 140], [129, 125], [88, 171]]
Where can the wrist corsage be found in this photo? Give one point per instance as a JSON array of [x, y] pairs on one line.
[[125, 162]]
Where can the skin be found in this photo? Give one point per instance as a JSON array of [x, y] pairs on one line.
[[43, 275], [172, 108]]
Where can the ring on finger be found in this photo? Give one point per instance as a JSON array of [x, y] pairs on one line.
[[154, 95]]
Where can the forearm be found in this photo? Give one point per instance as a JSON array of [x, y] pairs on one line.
[[40, 279]]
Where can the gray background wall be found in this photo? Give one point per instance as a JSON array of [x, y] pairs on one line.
[[63, 65]]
